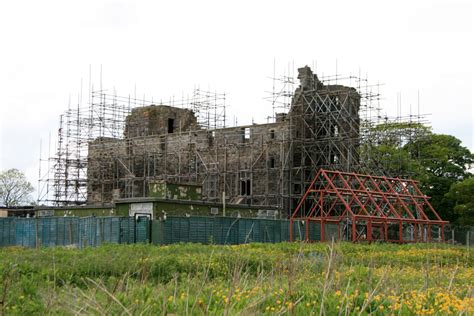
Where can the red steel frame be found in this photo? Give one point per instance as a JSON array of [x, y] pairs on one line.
[[369, 206]]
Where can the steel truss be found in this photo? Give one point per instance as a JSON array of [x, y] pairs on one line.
[[367, 208]]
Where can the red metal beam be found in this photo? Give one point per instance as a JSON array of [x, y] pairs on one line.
[[377, 202]]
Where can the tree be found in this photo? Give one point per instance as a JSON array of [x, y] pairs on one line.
[[385, 150], [14, 188], [412, 150], [462, 194], [442, 162]]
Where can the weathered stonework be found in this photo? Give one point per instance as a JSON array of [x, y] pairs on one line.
[[158, 120]]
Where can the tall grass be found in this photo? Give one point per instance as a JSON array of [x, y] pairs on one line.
[[192, 279]]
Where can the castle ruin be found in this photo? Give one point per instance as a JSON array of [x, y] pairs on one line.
[[258, 164]]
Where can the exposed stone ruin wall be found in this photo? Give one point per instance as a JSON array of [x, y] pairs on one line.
[[247, 159]]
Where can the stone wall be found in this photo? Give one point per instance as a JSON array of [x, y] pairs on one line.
[[244, 160]]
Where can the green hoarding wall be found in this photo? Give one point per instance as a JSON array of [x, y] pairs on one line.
[[93, 231], [227, 230], [77, 232]]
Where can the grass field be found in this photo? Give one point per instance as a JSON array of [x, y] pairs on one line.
[[297, 279]]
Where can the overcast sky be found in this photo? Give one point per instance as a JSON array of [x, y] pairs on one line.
[[166, 48]]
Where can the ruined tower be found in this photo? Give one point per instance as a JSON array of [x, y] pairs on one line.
[[324, 130]]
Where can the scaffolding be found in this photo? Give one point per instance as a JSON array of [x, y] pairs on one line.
[[369, 127], [332, 123], [336, 123], [210, 108], [63, 175]]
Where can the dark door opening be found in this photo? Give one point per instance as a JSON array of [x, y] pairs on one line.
[[271, 162], [170, 125], [245, 187]]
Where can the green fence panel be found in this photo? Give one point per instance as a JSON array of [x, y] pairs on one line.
[[166, 231], [174, 229], [57, 231], [241, 231], [217, 228], [47, 231], [87, 234], [94, 231], [273, 230], [176, 226], [78, 232], [108, 230], [259, 235], [25, 232], [285, 230], [265, 233], [230, 230], [251, 231], [184, 234], [102, 230], [177, 232], [197, 230], [7, 232], [142, 225], [245, 230], [314, 231], [127, 230], [331, 231], [209, 229], [277, 230], [171, 232], [156, 233], [298, 230], [270, 231], [184, 229], [226, 230], [256, 232]]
